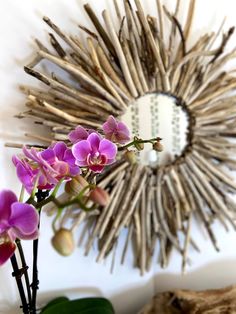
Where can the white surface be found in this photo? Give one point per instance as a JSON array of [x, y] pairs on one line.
[[19, 23]]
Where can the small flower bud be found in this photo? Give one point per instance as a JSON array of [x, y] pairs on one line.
[[99, 196], [157, 146], [63, 242], [130, 156], [139, 146], [75, 185]]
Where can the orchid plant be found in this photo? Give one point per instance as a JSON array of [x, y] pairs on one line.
[[41, 173]]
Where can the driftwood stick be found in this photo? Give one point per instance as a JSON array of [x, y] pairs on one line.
[[120, 54], [161, 215], [103, 219], [214, 199], [179, 188], [186, 244], [128, 240], [219, 173], [132, 67], [111, 72], [125, 201], [173, 194], [154, 47], [108, 177], [75, 70], [143, 233], [69, 90], [199, 204], [137, 233], [134, 200], [100, 29], [67, 39], [103, 75]]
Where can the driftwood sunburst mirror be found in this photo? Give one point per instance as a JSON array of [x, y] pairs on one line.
[[141, 69]]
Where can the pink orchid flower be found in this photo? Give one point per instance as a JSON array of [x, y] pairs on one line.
[[95, 152], [17, 220], [48, 166], [116, 131]]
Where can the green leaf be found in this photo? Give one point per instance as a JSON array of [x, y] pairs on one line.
[[81, 306], [54, 302]]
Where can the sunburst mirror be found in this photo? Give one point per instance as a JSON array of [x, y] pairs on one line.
[[141, 69]]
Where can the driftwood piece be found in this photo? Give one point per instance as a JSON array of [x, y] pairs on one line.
[[193, 302]]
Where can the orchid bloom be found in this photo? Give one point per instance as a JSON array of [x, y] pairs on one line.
[[47, 166], [94, 152], [79, 134], [17, 220], [116, 131]]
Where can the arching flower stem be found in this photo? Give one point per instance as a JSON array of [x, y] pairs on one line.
[[138, 141]]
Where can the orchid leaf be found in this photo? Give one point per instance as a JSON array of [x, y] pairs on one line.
[[80, 306], [54, 302]]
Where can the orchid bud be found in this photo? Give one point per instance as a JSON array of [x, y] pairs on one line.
[[75, 185], [157, 146], [130, 156], [63, 242], [139, 146], [99, 196]]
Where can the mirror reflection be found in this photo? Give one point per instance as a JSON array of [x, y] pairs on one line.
[[158, 115]]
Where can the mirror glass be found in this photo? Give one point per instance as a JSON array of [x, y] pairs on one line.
[[158, 115]]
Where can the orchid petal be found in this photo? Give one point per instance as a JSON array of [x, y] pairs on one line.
[[62, 168], [78, 134], [108, 148], [110, 125], [24, 218], [6, 251], [81, 150], [81, 163], [30, 153], [16, 233], [59, 150], [48, 155], [25, 177], [69, 157], [96, 168], [94, 140], [7, 197]]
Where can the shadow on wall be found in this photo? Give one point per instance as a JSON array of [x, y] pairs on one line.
[[212, 276]]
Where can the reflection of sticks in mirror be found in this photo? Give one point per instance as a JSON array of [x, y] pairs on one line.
[[112, 75]]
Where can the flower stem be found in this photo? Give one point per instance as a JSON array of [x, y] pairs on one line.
[[17, 273], [138, 141], [25, 267], [35, 282]]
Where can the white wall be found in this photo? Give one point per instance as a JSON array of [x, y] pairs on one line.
[[20, 22]]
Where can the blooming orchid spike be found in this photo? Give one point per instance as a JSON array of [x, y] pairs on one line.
[[116, 131], [17, 220], [94, 152]]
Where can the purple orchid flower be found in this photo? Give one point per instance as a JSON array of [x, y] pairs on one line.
[[95, 152], [116, 131], [79, 134], [47, 166], [61, 160], [17, 220]]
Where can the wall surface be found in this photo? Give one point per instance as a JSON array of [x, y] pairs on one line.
[[77, 275]]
